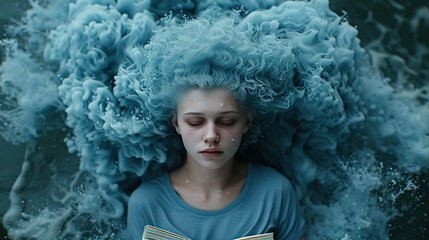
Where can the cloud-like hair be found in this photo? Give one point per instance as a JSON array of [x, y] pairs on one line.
[[258, 69], [105, 76]]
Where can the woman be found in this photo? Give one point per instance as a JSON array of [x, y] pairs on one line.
[[213, 193]]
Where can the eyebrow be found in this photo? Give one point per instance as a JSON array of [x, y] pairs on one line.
[[221, 113]]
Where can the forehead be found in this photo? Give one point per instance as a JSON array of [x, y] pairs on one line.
[[207, 101]]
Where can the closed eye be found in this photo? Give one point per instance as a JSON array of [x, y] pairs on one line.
[[227, 122], [194, 123]]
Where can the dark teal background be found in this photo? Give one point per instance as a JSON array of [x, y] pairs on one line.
[[367, 16]]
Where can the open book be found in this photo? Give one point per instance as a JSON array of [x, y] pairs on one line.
[[154, 233]]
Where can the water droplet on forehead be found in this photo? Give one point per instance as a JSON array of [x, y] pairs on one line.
[[221, 104]]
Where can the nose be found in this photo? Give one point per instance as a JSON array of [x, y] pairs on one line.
[[211, 134]]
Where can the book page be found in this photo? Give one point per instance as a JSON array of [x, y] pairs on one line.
[[154, 233], [265, 236]]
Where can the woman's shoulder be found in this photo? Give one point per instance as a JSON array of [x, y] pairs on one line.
[[150, 189], [269, 176], [265, 170]]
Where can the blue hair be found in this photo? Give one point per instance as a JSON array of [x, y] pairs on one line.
[[105, 76], [257, 69]]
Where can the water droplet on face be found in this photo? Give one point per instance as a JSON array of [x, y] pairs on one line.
[[221, 104], [187, 180], [233, 139]]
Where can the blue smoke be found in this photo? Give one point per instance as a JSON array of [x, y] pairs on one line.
[[101, 76]]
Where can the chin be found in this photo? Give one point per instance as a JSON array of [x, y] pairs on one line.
[[213, 164]]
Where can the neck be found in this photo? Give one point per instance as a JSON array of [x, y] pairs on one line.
[[209, 180], [209, 189], [204, 178]]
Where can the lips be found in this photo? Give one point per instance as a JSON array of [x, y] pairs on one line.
[[211, 152]]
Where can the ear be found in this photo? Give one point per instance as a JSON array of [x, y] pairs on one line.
[[249, 120], [175, 124]]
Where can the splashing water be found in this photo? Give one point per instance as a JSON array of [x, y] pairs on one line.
[[354, 143]]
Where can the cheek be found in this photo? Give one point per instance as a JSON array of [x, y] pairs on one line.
[[235, 142], [234, 136], [188, 134]]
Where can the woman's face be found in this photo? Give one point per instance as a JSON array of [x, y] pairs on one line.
[[211, 124]]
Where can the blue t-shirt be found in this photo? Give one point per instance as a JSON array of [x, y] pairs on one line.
[[266, 204]]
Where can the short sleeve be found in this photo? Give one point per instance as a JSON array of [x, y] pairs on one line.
[[136, 220], [291, 221]]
